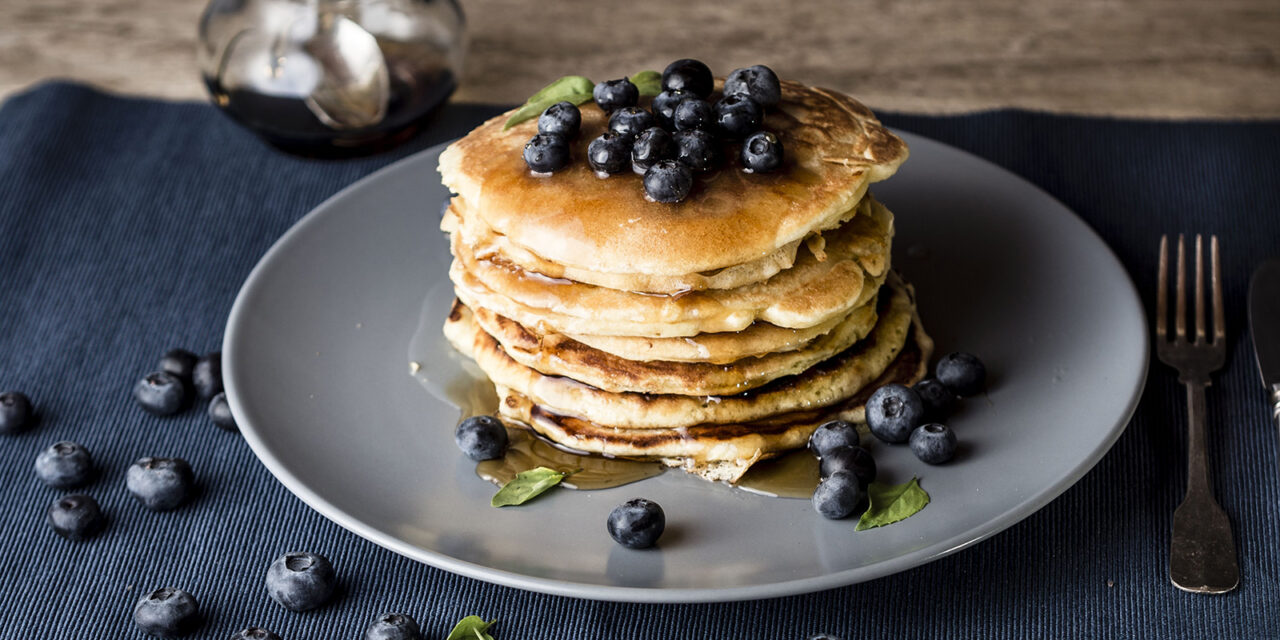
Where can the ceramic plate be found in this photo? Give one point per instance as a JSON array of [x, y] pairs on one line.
[[316, 366]]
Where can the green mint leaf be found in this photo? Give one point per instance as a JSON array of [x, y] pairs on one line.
[[527, 485], [575, 89], [471, 628], [891, 503], [648, 82]]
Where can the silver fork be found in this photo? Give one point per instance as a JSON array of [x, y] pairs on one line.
[[1202, 553]]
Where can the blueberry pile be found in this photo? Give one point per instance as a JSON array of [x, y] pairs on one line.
[[683, 133], [895, 414], [181, 378]]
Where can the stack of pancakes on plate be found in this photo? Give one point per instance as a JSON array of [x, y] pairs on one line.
[[709, 333]]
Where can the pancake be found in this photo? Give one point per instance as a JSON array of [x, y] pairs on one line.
[[557, 355], [826, 383], [834, 145], [840, 272]]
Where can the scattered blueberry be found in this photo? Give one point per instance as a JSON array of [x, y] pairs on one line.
[[668, 181], [653, 144], [822, 636], [636, 524], [759, 83], [855, 460], [64, 465], [76, 517], [16, 414], [737, 117], [829, 435], [160, 393], [937, 397], [301, 581], [546, 153], [615, 94], [167, 613], [664, 107], [393, 626], [688, 75], [963, 372], [561, 119], [893, 411], [630, 121], [693, 113], [609, 153], [838, 495], [761, 152], [180, 363], [933, 443], [696, 149], [220, 413], [207, 375], [481, 437], [162, 484], [255, 633]]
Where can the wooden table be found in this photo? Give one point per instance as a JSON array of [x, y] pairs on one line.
[[1158, 58]]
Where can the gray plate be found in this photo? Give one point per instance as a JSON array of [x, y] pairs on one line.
[[317, 345]]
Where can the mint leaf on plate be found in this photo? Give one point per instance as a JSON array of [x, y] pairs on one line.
[[471, 628], [648, 82], [528, 485], [891, 503], [575, 89]]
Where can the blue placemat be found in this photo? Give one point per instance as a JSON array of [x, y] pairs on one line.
[[127, 227]]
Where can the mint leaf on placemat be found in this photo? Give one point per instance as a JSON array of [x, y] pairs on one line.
[[528, 485], [891, 503], [471, 628], [575, 89], [648, 82]]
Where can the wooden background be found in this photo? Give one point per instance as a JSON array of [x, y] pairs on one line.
[[1161, 58]]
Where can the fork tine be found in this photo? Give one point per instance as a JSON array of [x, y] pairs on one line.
[[1219, 324], [1199, 290], [1162, 288], [1180, 306]]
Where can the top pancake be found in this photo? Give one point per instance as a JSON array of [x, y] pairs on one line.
[[834, 149]]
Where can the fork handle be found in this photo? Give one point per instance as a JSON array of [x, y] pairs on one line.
[[1197, 454], [1275, 404]]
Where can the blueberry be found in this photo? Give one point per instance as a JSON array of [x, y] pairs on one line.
[[64, 465], [207, 376], [220, 413], [162, 484], [893, 411], [546, 153], [167, 613], [160, 393], [693, 113], [615, 94], [668, 181], [653, 144], [696, 149], [76, 517], [254, 633], [829, 435], [938, 399], [963, 372], [838, 495], [561, 119], [180, 363], [761, 152], [630, 121], [16, 414], [664, 107], [933, 443], [759, 83], [609, 153], [822, 636], [636, 524], [301, 581], [688, 75], [855, 460], [393, 626], [737, 117], [481, 437]]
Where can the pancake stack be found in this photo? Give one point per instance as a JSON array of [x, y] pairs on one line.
[[710, 333]]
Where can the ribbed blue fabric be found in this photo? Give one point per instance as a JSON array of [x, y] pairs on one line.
[[127, 227]]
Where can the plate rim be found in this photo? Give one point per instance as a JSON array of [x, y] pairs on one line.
[[655, 595]]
